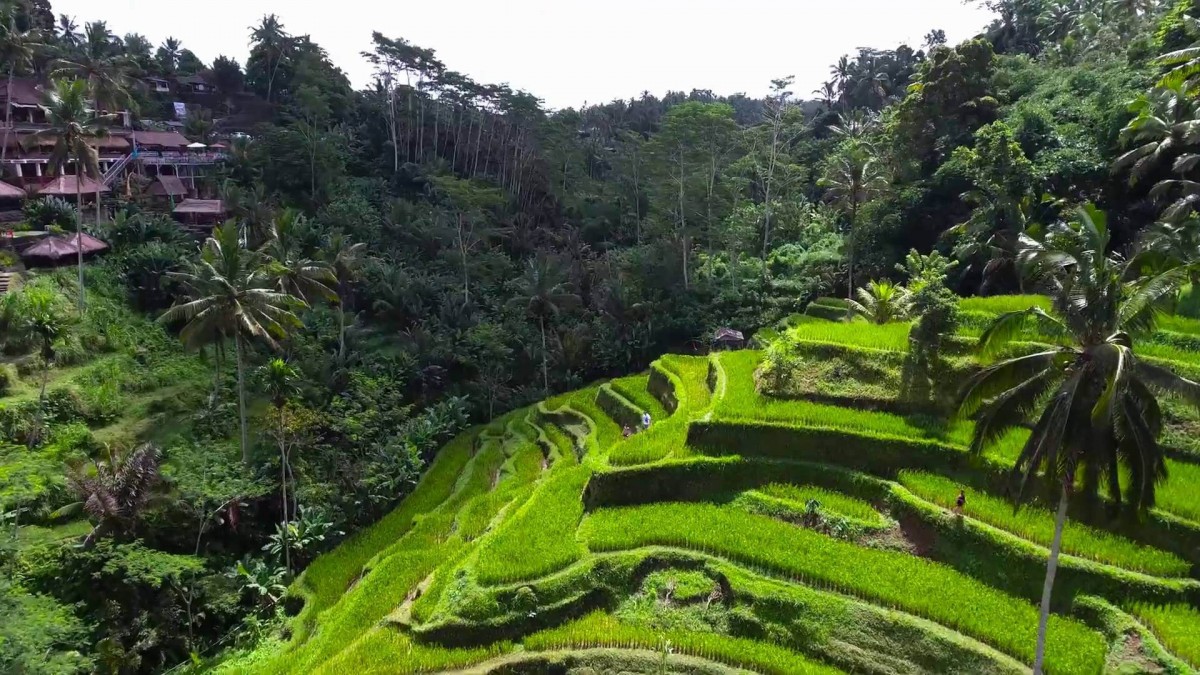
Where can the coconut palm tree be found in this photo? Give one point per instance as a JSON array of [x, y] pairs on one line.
[[101, 62], [17, 49], [1184, 63], [544, 294], [1166, 124], [68, 31], [852, 176], [882, 302], [231, 293], [1164, 246], [74, 128], [307, 279], [345, 258], [269, 35], [1092, 402]]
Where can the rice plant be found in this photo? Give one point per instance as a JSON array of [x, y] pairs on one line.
[[1000, 304], [897, 579], [1177, 626], [540, 537], [603, 630], [1037, 525], [829, 501]]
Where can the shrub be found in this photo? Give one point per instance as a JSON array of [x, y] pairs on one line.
[[42, 214]]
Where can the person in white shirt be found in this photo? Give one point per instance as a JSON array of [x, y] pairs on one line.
[[645, 420]]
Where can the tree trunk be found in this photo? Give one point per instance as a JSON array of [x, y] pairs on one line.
[[462, 251], [393, 131], [283, 481], [545, 357], [12, 68], [1051, 568], [237, 345], [683, 222], [79, 233], [341, 332], [850, 242]]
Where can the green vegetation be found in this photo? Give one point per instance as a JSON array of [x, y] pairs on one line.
[[1037, 525], [1178, 626], [898, 579], [350, 428]]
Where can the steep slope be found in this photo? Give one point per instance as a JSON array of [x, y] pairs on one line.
[[745, 530]]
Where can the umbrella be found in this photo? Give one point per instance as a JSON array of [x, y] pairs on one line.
[[60, 248], [196, 146]]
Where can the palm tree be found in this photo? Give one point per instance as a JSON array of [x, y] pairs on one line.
[[232, 294], [1164, 246], [168, 55], [544, 294], [1184, 63], [270, 36], [345, 258], [1167, 122], [279, 380], [882, 302], [1092, 401], [103, 65], [74, 127], [296, 275], [852, 176], [17, 49], [116, 492], [1058, 20], [68, 31]]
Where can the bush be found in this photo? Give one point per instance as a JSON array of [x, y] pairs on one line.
[[43, 214]]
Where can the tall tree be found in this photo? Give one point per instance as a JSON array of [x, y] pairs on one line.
[[101, 63], [853, 175], [345, 257], [230, 293], [1092, 402], [544, 294], [271, 44], [17, 49], [75, 129]]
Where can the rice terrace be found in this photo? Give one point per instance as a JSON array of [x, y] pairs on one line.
[[788, 511]]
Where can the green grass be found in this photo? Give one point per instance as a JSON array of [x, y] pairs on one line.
[[916, 585], [743, 402], [633, 388], [693, 372], [603, 630], [830, 501], [1180, 493], [999, 304], [888, 337], [1177, 626], [1037, 525], [331, 574], [540, 537]]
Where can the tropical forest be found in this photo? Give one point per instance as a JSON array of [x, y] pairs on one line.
[[896, 376]]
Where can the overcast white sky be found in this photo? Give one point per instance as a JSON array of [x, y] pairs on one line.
[[565, 51]]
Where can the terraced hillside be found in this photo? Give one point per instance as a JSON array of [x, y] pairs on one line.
[[781, 515]]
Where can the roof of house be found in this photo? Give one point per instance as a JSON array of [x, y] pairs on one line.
[[156, 79], [58, 248], [194, 79], [162, 139], [727, 334], [208, 206], [168, 186], [10, 191], [24, 91], [67, 186]]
